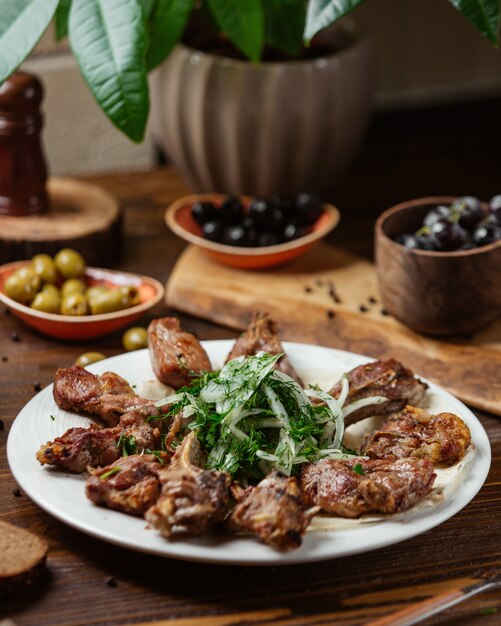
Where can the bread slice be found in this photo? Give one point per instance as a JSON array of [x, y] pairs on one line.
[[22, 557]]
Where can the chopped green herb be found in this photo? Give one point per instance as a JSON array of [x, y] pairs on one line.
[[110, 472], [358, 469], [252, 418], [491, 610], [128, 444], [52, 417]]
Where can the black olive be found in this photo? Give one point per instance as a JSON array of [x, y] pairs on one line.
[[495, 209], [234, 235], [259, 211], [409, 241], [293, 231], [267, 239], [203, 212], [212, 230], [487, 232], [309, 207], [231, 210]]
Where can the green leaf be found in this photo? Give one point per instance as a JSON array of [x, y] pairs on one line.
[[483, 14], [62, 15], [284, 23], [323, 13], [243, 22], [109, 40], [22, 23], [147, 7], [166, 24]]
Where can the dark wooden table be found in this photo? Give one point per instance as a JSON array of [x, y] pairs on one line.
[[410, 154]]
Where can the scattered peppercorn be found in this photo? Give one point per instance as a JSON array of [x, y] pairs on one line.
[[111, 582], [17, 492], [14, 336], [384, 312], [37, 387], [333, 294], [308, 289], [372, 300], [362, 308], [5, 359], [331, 315]]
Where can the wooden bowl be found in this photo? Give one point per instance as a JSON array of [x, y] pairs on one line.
[[437, 293], [179, 220], [86, 326]]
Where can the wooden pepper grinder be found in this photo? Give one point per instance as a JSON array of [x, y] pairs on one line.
[[23, 173], [39, 214]]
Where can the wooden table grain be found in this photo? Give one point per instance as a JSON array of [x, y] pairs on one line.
[[442, 151]]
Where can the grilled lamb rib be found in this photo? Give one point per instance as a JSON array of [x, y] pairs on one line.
[[107, 396], [274, 511], [381, 378], [262, 336], [174, 353], [79, 448], [441, 438], [376, 486], [130, 485], [192, 499]]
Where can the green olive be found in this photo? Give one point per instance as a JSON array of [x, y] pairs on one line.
[[45, 267], [89, 357], [72, 285], [70, 263], [108, 301], [46, 301], [22, 285], [50, 288], [74, 304], [135, 338], [131, 294], [95, 290]]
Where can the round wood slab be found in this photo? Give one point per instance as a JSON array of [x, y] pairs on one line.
[[81, 216]]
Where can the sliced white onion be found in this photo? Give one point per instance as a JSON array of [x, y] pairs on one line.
[[360, 404], [276, 406], [267, 456]]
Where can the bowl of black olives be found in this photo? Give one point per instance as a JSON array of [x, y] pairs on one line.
[[61, 297], [251, 233], [439, 263]]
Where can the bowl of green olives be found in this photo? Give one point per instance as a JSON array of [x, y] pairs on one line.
[[439, 262], [252, 233], [61, 297]]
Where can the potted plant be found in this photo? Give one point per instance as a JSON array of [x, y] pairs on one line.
[[292, 134]]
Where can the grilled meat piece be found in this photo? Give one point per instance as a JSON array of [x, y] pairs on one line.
[[174, 353], [262, 336], [274, 511], [376, 486], [381, 378], [80, 447], [130, 485], [108, 396], [441, 438], [192, 499]]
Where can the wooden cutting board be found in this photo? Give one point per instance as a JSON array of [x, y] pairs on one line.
[[329, 297]]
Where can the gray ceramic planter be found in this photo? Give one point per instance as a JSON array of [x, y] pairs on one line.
[[235, 127]]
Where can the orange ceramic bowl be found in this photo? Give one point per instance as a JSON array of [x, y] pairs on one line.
[[179, 220], [86, 326]]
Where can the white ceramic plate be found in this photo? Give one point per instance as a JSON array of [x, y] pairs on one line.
[[62, 495]]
